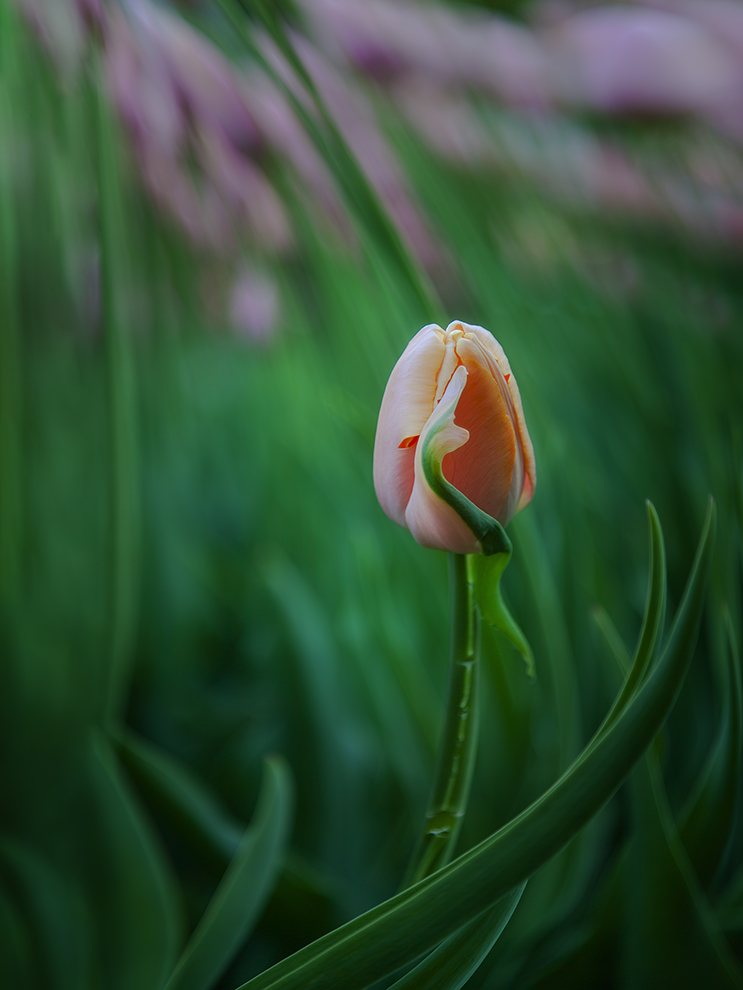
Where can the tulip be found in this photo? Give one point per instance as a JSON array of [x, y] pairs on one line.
[[452, 409]]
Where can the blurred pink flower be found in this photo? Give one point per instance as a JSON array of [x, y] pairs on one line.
[[188, 108], [354, 116], [194, 136], [723, 20], [629, 59], [444, 118], [456, 47], [285, 134], [254, 304], [206, 85], [142, 90]]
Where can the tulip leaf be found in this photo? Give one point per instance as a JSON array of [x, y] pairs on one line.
[[121, 388], [179, 799], [652, 623], [137, 905], [707, 819], [673, 930], [11, 345], [53, 908], [571, 957], [614, 641], [488, 573], [244, 889], [450, 965], [729, 907], [395, 933], [17, 950]]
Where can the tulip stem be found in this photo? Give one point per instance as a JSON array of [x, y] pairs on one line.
[[458, 744]]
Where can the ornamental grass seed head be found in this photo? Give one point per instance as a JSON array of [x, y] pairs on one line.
[[452, 407]]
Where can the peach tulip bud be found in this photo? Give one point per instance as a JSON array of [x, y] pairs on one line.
[[452, 409]]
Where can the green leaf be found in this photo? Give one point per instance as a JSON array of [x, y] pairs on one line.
[[17, 952], [488, 573], [11, 339], [572, 954], [178, 798], [672, 929], [706, 821], [652, 624], [613, 640], [396, 932], [123, 464], [134, 892], [729, 909], [58, 934], [322, 718], [450, 965], [244, 889]]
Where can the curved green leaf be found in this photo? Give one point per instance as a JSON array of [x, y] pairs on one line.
[[672, 930], [572, 954], [706, 820], [170, 789], [488, 572], [57, 926], [392, 934], [134, 893], [12, 374], [652, 623], [121, 391], [16, 948], [450, 965], [244, 889]]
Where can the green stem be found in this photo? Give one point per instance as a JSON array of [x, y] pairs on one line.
[[11, 393], [120, 381], [458, 744]]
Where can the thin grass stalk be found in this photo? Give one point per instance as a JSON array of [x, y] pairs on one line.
[[11, 361], [122, 416]]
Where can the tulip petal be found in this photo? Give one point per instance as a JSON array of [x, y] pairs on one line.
[[407, 404], [498, 357], [489, 470], [432, 522]]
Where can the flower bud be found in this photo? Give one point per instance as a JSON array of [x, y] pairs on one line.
[[452, 407]]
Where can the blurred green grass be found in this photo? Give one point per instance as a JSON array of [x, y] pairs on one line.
[[274, 607]]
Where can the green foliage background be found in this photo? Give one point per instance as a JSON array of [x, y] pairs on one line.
[[194, 569]]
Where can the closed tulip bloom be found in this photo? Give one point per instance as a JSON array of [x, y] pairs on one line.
[[453, 399]]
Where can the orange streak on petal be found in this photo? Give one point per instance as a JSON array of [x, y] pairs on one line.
[[409, 442]]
